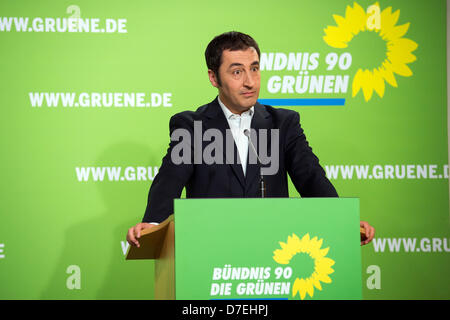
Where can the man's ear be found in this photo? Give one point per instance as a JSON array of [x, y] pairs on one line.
[[213, 78]]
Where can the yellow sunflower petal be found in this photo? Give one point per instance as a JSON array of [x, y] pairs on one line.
[[400, 50], [302, 288], [294, 242], [357, 82], [326, 271], [324, 267], [296, 287], [335, 37], [299, 287], [316, 282], [396, 32], [388, 75], [345, 27], [340, 21], [323, 252], [367, 84], [357, 17], [314, 248], [306, 237], [309, 287], [327, 262], [281, 256], [388, 21], [324, 278], [401, 69], [398, 56], [378, 83], [317, 243]]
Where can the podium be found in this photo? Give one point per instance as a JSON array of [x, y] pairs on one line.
[[269, 248]]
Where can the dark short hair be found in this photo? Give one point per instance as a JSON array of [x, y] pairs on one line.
[[232, 41]]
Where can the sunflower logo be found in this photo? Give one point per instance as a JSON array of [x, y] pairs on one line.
[[322, 265], [397, 50]]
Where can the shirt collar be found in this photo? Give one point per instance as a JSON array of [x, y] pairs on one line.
[[228, 114]]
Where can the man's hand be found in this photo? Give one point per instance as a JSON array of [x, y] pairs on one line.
[[134, 233], [369, 232]]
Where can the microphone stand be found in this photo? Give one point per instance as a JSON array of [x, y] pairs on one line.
[[262, 183]]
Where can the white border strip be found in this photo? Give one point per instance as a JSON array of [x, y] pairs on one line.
[[448, 88]]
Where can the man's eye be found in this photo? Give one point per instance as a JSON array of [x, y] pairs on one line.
[[255, 69], [236, 71]]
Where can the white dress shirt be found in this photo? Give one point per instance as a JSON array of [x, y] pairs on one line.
[[238, 124]]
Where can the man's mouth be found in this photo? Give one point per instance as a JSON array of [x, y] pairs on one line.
[[248, 93]]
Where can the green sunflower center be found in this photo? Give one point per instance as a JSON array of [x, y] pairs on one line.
[[303, 265], [368, 50]]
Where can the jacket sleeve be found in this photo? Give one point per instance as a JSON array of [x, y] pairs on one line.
[[303, 166], [172, 177]]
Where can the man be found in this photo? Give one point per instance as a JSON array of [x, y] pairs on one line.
[[233, 68]]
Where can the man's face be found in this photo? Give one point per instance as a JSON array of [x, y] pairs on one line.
[[240, 79]]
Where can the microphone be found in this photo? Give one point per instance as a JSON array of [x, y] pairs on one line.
[[262, 184]]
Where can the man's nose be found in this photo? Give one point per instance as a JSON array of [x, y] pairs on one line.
[[249, 80]]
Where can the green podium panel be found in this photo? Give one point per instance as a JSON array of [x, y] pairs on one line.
[[290, 248]]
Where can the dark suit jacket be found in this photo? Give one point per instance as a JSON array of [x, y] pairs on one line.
[[227, 180]]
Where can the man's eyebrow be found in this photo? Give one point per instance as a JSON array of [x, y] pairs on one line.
[[236, 64]]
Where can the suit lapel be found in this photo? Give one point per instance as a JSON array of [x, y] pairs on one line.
[[260, 120], [217, 120]]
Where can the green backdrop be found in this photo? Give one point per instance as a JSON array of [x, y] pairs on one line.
[[85, 106]]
